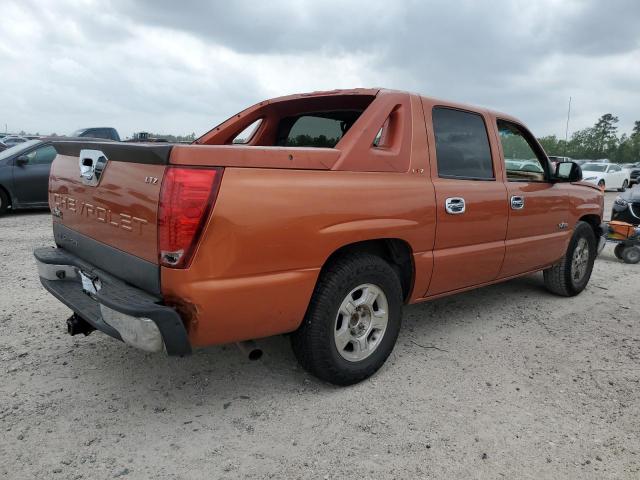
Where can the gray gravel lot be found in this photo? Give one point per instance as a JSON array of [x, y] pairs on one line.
[[503, 382]]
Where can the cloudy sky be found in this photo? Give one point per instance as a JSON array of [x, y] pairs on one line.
[[178, 67]]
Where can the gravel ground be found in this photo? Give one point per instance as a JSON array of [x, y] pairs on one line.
[[504, 382]]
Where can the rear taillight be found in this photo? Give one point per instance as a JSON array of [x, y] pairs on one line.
[[186, 198]]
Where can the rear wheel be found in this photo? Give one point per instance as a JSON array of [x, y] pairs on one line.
[[352, 322], [571, 274], [625, 184], [630, 255], [4, 202]]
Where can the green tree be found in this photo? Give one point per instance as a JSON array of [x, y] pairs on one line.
[[550, 144], [605, 132], [599, 141]]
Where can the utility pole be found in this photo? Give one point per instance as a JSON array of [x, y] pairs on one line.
[[566, 131]]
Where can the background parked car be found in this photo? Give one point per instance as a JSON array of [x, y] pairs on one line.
[[24, 175], [11, 140], [626, 207], [524, 165], [606, 175], [634, 173], [98, 132]]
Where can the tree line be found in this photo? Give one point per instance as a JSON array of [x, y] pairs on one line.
[[598, 142]]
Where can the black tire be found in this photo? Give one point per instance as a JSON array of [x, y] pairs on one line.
[[630, 255], [313, 343], [625, 184], [559, 279], [601, 185], [4, 202], [617, 251]]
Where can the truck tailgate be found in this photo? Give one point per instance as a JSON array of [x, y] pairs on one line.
[[109, 193]]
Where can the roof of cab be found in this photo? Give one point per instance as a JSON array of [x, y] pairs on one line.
[[376, 91]]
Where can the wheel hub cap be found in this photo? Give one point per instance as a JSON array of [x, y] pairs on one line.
[[361, 322], [580, 260]]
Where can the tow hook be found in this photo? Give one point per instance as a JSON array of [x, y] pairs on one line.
[[76, 325]]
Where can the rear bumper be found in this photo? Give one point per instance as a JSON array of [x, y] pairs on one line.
[[124, 312]]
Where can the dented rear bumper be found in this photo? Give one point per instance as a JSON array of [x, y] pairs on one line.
[[110, 305]]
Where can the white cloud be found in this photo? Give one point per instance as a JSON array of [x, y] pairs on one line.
[[180, 67]]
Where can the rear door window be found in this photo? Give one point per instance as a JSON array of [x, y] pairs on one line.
[[462, 145]]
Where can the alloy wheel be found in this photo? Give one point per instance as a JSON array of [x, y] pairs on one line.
[[361, 322], [580, 260]]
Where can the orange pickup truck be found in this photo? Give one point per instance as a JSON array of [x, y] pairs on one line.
[[316, 215]]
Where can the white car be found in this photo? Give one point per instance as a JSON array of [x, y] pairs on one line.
[[606, 175]]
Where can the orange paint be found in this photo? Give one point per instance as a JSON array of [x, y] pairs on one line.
[[281, 212]]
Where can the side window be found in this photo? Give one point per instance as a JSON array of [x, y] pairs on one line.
[[522, 162], [389, 134], [462, 145], [247, 134], [42, 155], [311, 131], [104, 133], [615, 168]]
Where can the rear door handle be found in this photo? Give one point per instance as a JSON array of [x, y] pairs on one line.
[[454, 205], [517, 202]]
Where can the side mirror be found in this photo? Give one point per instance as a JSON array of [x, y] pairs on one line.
[[568, 172], [22, 160]]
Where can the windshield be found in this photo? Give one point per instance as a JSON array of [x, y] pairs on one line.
[[594, 167], [19, 147], [78, 133]]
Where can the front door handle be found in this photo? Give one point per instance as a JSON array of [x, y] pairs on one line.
[[454, 205], [517, 202]]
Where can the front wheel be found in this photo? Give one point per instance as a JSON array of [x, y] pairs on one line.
[[601, 185], [352, 322], [570, 275], [625, 184]]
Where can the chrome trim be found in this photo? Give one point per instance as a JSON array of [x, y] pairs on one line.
[[517, 202], [139, 332], [56, 272], [454, 205], [91, 164]]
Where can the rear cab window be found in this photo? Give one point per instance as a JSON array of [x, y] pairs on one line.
[[462, 145], [320, 130]]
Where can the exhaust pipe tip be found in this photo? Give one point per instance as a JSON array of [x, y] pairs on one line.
[[250, 349], [255, 354]]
